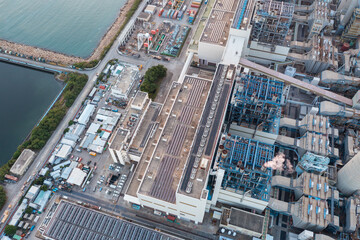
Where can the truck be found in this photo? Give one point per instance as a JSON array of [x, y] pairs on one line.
[[92, 154], [10, 177], [5, 216], [160, 13], [171, 218], [32, 227]]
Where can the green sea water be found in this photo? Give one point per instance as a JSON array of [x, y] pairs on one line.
[[25, 95], [73, 27]]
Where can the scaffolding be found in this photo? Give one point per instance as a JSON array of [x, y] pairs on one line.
[[243, 161], [256, 103], [271, 22]]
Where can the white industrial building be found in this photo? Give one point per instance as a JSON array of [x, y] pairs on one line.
[[173, 170], [64, 151], [23, 162], [32, 193], [126, 75], [77, 177], [19, 212], [117, 146], [229, 34], [86, 114]]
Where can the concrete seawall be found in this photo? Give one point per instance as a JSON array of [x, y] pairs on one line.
[[55, 57]]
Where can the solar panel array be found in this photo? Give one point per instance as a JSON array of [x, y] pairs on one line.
[[162, 186], [72, 222]]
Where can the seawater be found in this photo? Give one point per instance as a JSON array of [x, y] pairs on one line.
[[73, 27], [25, 95]]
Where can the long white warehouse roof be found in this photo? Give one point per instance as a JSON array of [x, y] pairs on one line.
[[86, 114]]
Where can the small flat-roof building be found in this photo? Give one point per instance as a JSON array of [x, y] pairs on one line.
[[139, 101], [66, 173], [117, 152], [126, 75], [77, 177], [150, 9], [19, 212], [242, 221], [42, 199], [86, 114], [93, 128], [23, 162], [64, 151], [68, 142], [144, 17], [88, 139], [32, 193]]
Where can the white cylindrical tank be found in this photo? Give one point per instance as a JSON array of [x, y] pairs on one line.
[[349, 177]]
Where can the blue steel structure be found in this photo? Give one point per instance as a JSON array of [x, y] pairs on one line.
[[256, 103], [272, 21], [240, 13], [243, 161]]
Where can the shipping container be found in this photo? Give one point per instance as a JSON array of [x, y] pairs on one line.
[[180, 15], [175, 15]]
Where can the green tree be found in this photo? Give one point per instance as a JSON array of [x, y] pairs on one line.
[[152, 80], [71, 122], [44, 187], [2, 197], [28, 210], [10, 230], [66, 130], [39, 180]]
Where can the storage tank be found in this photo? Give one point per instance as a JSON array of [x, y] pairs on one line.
[[349, 177]]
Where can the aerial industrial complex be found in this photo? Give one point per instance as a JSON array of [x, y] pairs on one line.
[[254, 136]]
